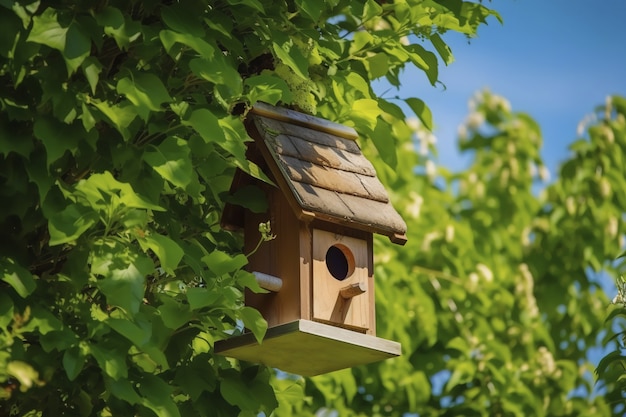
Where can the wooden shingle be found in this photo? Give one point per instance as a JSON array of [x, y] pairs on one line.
[[320, 166]]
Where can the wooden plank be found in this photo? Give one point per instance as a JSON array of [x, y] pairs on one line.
[[301, 119], [320, 200], [275, 127], [309, 348], [329, 156], [379, 215], [306, 270], [346, 209], [282, 144], [333, 179], [279, 257]]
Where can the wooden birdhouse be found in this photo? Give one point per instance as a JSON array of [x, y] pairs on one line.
[[327, 204]]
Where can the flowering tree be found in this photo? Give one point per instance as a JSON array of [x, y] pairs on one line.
[[122, 125]]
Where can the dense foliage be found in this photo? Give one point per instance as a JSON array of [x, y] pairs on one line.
[[121, 127]]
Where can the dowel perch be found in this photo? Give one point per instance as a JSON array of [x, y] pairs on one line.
[[353, 290], [268, 282]]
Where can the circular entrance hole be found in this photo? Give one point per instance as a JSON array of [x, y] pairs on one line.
[[339, 261]]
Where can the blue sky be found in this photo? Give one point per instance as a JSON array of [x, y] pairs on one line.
[[553, 59]]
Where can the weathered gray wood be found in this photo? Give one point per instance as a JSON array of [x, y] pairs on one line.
[[309, 348], [347, 209], [322, 138], [332, 157], [334, 179], [319, 154], [305, 120], [324, 174]]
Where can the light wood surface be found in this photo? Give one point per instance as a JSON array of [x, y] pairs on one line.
[[309, 348], [328, 304]]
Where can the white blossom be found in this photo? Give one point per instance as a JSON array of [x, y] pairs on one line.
[[485, 272], [475, 120], [431, 169], [415, 206]]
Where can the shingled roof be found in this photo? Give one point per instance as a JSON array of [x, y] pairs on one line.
[[323, 169]]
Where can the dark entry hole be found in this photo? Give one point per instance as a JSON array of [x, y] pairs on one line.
[[340, 262]]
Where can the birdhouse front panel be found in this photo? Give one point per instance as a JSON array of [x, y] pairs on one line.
[[341, 281]]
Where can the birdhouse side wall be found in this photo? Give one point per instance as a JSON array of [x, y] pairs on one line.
[[281, 257]]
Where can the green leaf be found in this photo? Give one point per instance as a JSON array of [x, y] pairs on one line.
[[201, 297], [58, 340], [171, 159], [236, 393], [170, 38], [145, 91], [111, 358], [121, 115], [17, 277], [218, 71], [253, 4], [73, 362], [11, 25], [221, 263], [207, 125], [157, 396], [56, 137], [311, 8], [442, 48], [360, 40], [123, 275], [425, 60], [254, 321], [183, 19], [169, 252], [285, 50], [377, 65], [422, 111], [173, 312], [103, 191], [383, 139], [138, 332], [248, 280], [268, 88], [114, 24], [365, 114], [69, 224], [69, 40], [372, 9], [24, 373], [198, 377], [6, 310], [123, 390], [250, 197], [43, 320]]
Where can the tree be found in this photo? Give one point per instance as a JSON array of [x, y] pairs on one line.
[[121, 130]]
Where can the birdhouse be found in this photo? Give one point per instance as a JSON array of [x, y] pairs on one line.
[[324, 209]]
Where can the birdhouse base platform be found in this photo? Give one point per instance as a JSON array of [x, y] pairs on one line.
[[309, 348]]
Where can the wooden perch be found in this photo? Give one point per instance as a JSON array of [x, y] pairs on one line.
[[353, 290], [268, 282]]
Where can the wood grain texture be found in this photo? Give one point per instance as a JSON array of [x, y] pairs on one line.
[[309, 348], [305, 120], [325, 174], [343, 182], [279, 257], [328, 304]]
